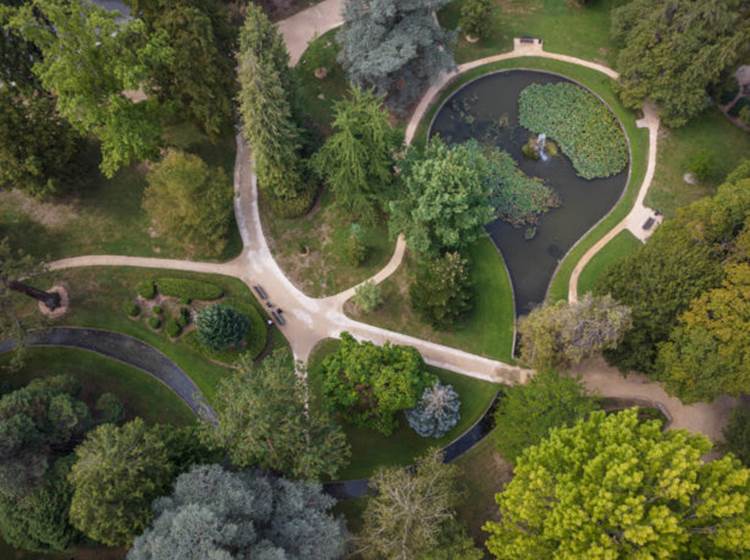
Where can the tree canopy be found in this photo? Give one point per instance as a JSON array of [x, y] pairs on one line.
[[265, 420], [394, 46], [190, 202], [615, 487], [442, 291], [213, 513], [88, 61], [671, 51], [526, 413], [369, 384]]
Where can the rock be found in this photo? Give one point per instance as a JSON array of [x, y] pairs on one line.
[[321, 73], [471, 39], [690, 179]]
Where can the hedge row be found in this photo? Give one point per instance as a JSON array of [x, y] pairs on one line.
[[586, 130], [186, 289]]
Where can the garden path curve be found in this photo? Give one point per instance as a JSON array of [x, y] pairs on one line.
[[128, 350]]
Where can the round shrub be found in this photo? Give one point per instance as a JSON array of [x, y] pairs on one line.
[[132, 309], [172, 328], [147, 289], [220, 327], [294, 207], [110, 408], [157, 310], [184, 318], [437, 412], [154, 323]]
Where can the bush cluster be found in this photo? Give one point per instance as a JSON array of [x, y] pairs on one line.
[[585, 129], [146, 289], [154, 323], [132, 309], [172, 328], [187, 290]]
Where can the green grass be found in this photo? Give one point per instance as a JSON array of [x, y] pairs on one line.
[[619, 247], [99, 293], [710, 132], [104, 216], [371, 449], [142, 395], [565, 28], [311, 252], [489, 328]]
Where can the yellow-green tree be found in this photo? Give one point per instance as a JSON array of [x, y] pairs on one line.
[[708, 353], [613, 487]]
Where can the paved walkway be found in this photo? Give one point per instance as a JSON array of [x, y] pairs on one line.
[[128, 350], [308, 24]]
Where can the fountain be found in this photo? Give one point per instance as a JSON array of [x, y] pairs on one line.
[[541, 142], [539, 148]]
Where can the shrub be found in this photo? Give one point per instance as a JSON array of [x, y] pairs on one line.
[[110, 408], [146, 289], [157, 310], [583, 127], [437, 412], [221, 327], [744, 115], [702, 165], [187, 289], [355, 248], [442, 291], [293, 207], [132, 309], [368, 296], [737, 433], [154, 323], [183, 320], [172, 328], [476, 17]]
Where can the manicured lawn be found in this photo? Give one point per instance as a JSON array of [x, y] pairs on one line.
[[98, 296], [484, 472], [311, 249], [371, 449], [711, 133], [565, 28], [619, 247], [142, 395], [104, 216], [488, 330]]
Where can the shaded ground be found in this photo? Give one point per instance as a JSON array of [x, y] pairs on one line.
[[619, 247]]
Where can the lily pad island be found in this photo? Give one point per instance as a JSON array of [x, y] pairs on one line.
[[558, 133]]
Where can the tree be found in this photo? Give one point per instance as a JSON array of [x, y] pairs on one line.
[[220, 327], [437, 412], [356, 160], [213, 513], [198, 80], [442, 292], [680, 262], [563, 334], [369, 384], [368, 297], [190, 202], [88, 61], [526, 413], [613, 487], [394, 46], [737, 434], [446, 198], [707, 353], [17, 56], [411, 509], [117, 473], [266, 107], [39, 520], [39, 423], [265, 420], [673, 50], [37, 147], [476, 17]]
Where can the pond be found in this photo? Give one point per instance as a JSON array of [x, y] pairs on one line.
[[487, 109]]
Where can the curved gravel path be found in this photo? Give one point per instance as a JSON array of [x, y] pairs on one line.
[[128, 350]]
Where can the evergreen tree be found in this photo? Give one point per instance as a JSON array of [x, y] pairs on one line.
[[442, 291], [266, 107], [88, 60], [437, 412], [394, 46], [356, 160], [673, 50], [216, 514], [615, 487], [220, 327], [264, 420]]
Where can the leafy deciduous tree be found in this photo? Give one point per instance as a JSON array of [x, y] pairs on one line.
[[190, 202], [613, 487], [737, 433], [368, 296], [527, 413], [476, 17], [442, 291]]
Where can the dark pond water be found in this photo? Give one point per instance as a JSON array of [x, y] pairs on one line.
[[474, 112]]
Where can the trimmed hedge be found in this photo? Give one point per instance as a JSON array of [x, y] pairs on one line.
[[187, 290], [586, 130]]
